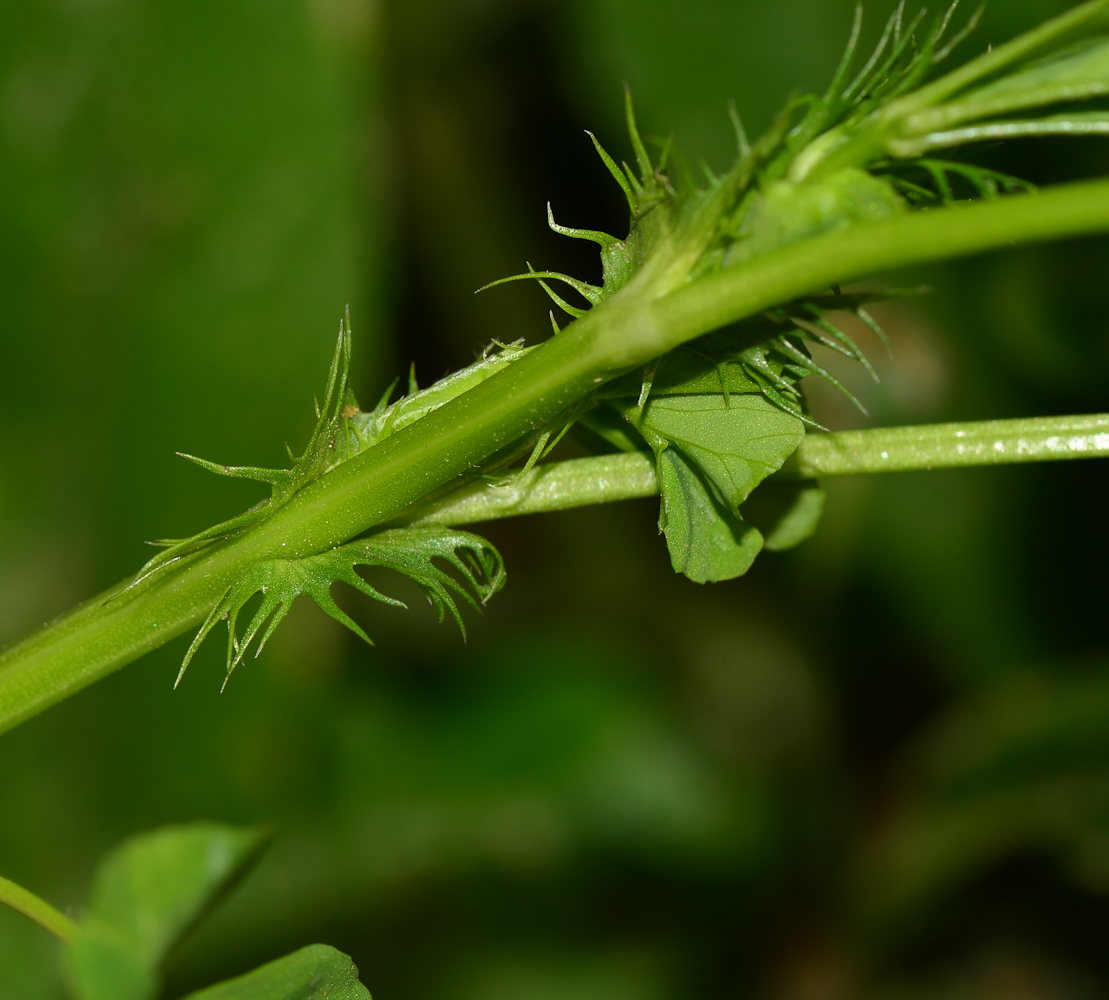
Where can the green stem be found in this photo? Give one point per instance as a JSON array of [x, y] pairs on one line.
[[952, 446], [40, 911], [102, 635], [582, 482], [861, 251], [579, 482]]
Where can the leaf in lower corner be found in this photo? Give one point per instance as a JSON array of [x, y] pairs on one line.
[[146, 895], [317, 972]]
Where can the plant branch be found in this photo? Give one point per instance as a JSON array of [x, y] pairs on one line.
[[951, 446], [582, 482], [40, 911], [621, 333], [579, 482]]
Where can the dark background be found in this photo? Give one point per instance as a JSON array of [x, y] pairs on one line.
[[878, 766]]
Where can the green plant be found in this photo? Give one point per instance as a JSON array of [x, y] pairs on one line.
[[150, 892], [684, 370]]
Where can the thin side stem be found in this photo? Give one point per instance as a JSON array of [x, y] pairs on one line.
[[623, 332], [952, 446], [582, 482], [40, 911], [579, 482]]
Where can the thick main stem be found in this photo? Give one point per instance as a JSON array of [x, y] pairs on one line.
[[102, 635]]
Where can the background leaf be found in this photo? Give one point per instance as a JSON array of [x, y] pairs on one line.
[[313, 973], [146, 894]]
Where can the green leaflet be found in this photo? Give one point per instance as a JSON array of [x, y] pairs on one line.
[[317, 972], [146, 894], [712, 451], [735, 443], [478, 575], [721, 417], [707, 542]]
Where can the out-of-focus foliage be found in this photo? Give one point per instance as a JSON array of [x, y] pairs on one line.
[[151, 891], [316, 972], [145, 896], [876, 766]]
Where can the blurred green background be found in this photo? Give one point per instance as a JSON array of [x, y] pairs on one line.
[[878, 766]]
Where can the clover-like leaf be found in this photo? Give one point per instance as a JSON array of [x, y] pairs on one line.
[[707, 541], [712, 451], [735, 443], [418, 553]]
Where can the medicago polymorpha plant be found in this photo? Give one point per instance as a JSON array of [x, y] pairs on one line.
[[684, 368]]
